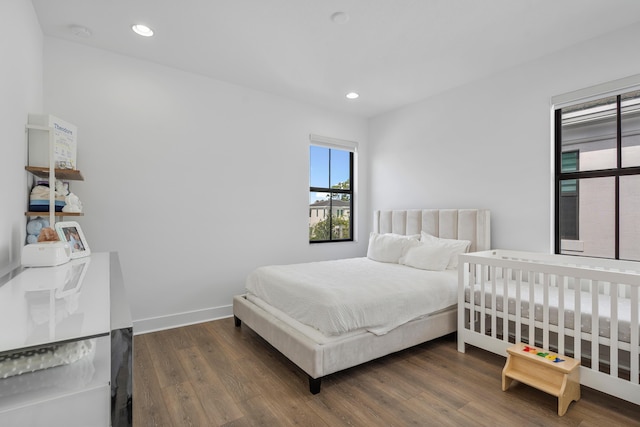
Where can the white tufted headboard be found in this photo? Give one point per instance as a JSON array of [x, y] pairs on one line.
[[465, 224]]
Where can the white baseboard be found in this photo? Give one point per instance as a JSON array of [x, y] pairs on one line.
[[152, 324]]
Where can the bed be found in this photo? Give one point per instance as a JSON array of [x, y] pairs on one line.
[[585, 308], [318, 353]]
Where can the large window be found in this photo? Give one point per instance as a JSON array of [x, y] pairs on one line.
[[597, 177], [330, 192]]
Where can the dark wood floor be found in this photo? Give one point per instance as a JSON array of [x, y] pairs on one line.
[[214, 374]]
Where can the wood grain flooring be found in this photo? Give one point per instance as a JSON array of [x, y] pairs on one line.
[[214, 374]]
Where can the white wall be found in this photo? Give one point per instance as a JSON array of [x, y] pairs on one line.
[[20, 93], [193, 181], [488, 144]]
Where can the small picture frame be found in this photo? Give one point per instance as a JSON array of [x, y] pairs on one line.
[[70, 232]]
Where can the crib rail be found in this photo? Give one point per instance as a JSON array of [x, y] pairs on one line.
[[586, 308]]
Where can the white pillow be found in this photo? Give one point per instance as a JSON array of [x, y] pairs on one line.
[[427, 256], [389, 247], [457, 247]]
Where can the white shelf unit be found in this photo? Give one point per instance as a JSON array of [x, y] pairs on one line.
[[49, 172]]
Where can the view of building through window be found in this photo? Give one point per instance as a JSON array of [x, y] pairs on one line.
[[330, 194], [598, 178]]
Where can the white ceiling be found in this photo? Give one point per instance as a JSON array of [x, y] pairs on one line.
[[393, 52]]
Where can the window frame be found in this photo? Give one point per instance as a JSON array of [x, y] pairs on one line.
[[336, 191], [615, 172], [351, 148]]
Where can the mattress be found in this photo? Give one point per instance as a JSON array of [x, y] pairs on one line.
[[349, 295], [604, 307]]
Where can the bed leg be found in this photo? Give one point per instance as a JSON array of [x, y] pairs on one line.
[[237, 321], [314, 385]]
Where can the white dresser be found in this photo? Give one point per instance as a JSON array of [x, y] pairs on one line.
[[78, 312]]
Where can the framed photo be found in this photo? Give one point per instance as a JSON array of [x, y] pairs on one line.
[[70, 232]]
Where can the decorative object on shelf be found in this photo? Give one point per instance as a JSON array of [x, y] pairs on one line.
[[70, 232], [73, 204], [34, 227], [62, 189], [48, 234], [64, 139]]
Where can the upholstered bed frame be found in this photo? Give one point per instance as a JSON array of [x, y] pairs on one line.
[[318, 360]]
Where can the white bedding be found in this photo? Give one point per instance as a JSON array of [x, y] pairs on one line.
[[337, 297]]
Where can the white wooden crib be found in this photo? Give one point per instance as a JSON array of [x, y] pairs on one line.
[[604, 310]]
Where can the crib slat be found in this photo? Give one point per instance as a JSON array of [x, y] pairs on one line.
[[472, 296], [532, 307], [506, 273], [635, 335], [595, 326], [494, 309], [545, 311], [613, 330], [561, 284], [518, 310], [483, 279], [462, 285], [577, 319]]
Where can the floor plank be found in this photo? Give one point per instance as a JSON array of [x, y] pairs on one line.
[[150, 409]]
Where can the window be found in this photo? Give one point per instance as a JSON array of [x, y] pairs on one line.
[[597, 177], [331, 165]]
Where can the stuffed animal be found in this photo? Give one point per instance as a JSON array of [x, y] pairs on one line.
[[48, 234], [34, 227], [61, 190], [73, 203]]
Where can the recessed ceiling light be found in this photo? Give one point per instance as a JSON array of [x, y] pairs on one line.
[[352, 95], [143, 30], [340, 17], [80, 31]]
